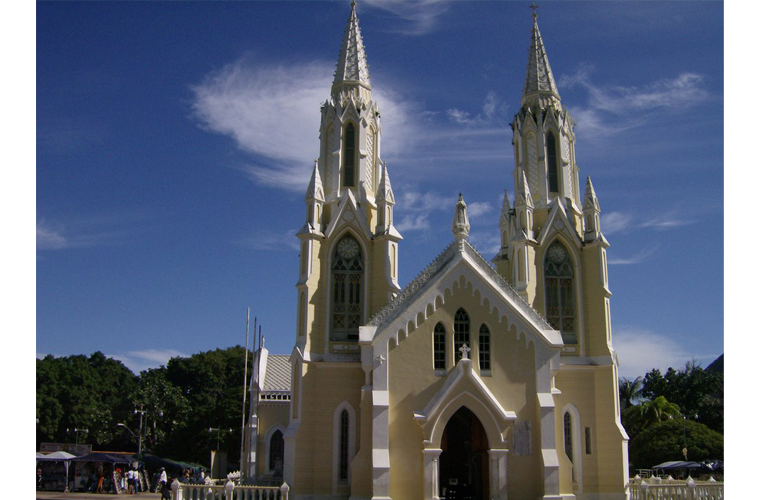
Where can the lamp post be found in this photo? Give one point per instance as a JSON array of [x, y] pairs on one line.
[[77, 433], [141, 412], [684, 435], [212, 429]]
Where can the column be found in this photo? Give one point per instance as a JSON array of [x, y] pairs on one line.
[[431, 473], [498, 474]]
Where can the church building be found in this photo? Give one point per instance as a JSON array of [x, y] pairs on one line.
[[477, 380]]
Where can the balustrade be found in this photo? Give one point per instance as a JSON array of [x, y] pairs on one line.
[[229, 491]]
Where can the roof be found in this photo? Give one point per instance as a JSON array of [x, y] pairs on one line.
[[539, 81], [351, 66], [277, 373]]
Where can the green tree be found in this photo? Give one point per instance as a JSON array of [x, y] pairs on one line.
[[694, 390], [630, 391], [665, 440], [646, 414]]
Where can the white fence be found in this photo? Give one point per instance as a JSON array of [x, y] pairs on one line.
[[656, 488], [181, 491]]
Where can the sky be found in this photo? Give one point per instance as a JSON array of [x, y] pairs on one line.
[[175, 141]]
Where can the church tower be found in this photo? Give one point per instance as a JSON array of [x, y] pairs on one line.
[[551, 244], [348, 241]]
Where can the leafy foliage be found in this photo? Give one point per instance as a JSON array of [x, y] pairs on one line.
[[647, 414], [180, 403], [664, 441]]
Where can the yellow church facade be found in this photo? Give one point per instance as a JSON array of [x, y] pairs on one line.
[[477, 380]]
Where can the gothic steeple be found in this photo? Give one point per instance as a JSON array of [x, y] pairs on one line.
[[352, 75], [539, 85]]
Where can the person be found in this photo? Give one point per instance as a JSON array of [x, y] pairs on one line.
[[137, 482], [163, 479], [39, 479], [130, 481], [165, 490], [100, 483]]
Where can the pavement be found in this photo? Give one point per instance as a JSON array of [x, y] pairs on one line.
[[81, 495]]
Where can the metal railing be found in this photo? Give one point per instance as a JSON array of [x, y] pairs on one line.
[[656, 488]]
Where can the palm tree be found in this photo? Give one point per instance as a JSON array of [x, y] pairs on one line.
[[630, 391]]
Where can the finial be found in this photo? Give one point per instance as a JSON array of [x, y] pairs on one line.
[[534, 11], [353, 5], [460, 224]]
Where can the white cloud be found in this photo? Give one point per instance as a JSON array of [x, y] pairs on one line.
[[413, 222], [419, 16], [49, 238], [137, 361], [614, 222], [614, 109], [636, 258], [668, 221], [486, 242], [86, 232], [640, 350], [273, 111], [493, 111], [477, 209], [266, 240]]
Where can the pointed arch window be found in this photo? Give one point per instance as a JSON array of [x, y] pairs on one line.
[[485, 349], [553, 172], [462, 333], [349, 168], [276, 453], [439, 347], [343, 465], [347, 289], [568, 436], [559, 292]]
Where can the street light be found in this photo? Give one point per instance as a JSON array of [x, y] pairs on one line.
[[77, 433], [141, 412], [212, 429], [684, 435]]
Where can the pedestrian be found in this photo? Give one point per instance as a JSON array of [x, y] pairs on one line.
[[165, 491], [163, 478]]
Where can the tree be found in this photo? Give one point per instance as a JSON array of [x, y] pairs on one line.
[[694, 390], [630, 391], [647, 414], [165, 407], [664, 442]]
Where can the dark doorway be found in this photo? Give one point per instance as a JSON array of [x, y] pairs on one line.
[[464, 461]]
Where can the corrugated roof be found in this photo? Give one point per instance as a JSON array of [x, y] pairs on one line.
[[277, 373]]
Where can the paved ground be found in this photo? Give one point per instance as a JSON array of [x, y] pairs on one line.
[[79, 495]]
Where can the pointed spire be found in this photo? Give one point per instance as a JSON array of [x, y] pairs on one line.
[[539, 83], [385, 191], [505, 211], [460, 224], [589, 198], [315, 189], [352, 69], [523, 194]]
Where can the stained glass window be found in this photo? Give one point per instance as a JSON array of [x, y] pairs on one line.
[[343, 462], [485, 349], [568, 435], [347, 289], [276, 453], [462, 333], [439, 347], [559, 293]]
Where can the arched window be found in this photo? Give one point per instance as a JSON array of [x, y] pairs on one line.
[[485, 349], [553, 173], [347, 289], [343, 443], [349, 169], [276, 453], [439, 347], [559, 293], [462, 333], [568, 436]]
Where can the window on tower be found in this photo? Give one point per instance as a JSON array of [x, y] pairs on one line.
[[276, 453], [485, 349], [349, 170], [439, 347], [553, 172], [347, 289], [559, 292]]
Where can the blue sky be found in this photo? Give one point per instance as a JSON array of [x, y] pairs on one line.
[[175, 142]]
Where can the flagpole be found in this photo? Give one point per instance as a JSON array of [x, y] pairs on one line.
[[243, 407]]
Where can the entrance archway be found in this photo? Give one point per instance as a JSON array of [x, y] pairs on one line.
[[464, 459]]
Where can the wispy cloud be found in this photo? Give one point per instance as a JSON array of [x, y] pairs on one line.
[[492, 112], [668, 221], [614, 109], [417, 17], [478, 208], [137, 361], [272, 111], [640, 350], [636, 258], [266, 240], [86, 232], [615, 222]]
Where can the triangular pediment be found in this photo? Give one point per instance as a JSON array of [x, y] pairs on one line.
[[459, 265], [464, 387], [346, 213], [559, 222]]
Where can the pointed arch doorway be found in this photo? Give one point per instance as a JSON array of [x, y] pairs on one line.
[[464, 459]]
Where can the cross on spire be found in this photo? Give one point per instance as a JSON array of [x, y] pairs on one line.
[[534, 10], [465, 350]]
